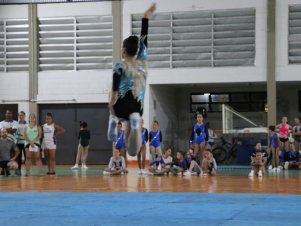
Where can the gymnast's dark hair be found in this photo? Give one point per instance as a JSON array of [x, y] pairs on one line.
[[49, 114], [131, 45]]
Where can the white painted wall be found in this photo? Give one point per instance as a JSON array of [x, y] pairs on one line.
[[164, 109], [284, 72], [70, 86], [13, 12], [75, 9], [14, 89], [172, 103], [74, 87]]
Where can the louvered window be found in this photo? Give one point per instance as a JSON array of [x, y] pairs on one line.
[[294, 34], [13, 45], [200, 38], [75, 43]]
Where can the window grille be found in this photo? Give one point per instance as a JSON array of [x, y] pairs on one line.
[[294, 34], [200, 38], [13, 45], [75, 43]]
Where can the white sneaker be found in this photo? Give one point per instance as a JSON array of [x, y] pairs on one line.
[[84, 166], [187, 173], [270, 167], [286, 164], [143, 172], [251, 174], [122, 173], [280, 168], [75, 166], [260, 173], [205, 174], [274, 169], [105, 173]]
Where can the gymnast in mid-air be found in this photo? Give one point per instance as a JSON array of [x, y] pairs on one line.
[[129, 82]]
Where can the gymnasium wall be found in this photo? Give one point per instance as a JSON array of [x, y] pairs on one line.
[[171, 101], [14, 86]]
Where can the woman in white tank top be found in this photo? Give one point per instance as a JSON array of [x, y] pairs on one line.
[[50, 132]]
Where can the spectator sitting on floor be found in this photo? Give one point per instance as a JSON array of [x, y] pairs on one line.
[[192, 165], [161, 164], [258, 147], [116, 164], [209, 165], [6, 146], [292, 157], [258, 162], [179, 166]]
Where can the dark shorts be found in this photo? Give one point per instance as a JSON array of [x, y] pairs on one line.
[[3, 164], [210, 167], [283, 140], [127, 105]]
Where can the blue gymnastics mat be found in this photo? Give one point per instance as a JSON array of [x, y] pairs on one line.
[[147, 209]]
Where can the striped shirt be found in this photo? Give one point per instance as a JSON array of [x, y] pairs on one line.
[[10, 125], [19, 133]]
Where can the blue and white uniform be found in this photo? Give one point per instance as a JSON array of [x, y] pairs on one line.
[[273, 138], [199, 133], [130, 81], [120, 140], [155, 138]]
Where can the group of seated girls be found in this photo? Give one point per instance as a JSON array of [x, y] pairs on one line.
[[184, 164], [287, 158]]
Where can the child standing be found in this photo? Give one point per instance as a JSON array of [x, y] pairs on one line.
[[273, 146], [116, 164], [283, 130], [120, 142], [155, 137], [199, 136], [50, 131], [83, 146], [141, 156], [297, 133]]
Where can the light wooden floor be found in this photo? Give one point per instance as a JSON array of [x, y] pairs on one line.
[[93, 181]]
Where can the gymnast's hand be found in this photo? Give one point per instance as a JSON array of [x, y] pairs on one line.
[[149, 12]]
